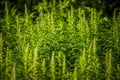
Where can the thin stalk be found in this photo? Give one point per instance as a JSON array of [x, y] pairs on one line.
[[1, 46], [108, 61], [35, 63], [25, 58], [52, 66], [75, 73], [43, 67], [13, 74], [95, 58], [8, 61], [63, 67], [118, 71], [59, 56], [82, 65], [7, 16]]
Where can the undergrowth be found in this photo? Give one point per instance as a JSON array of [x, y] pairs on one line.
[[58, 42]]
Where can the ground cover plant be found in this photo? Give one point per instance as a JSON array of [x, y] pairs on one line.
[[58, 42]]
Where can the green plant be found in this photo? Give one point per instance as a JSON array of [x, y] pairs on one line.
[[58, 42]]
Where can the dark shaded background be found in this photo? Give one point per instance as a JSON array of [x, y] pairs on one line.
[[108, 6]]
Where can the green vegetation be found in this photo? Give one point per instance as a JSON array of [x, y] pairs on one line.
[[58, 42]]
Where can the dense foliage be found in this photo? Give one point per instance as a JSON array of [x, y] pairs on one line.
[[59, 42]]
